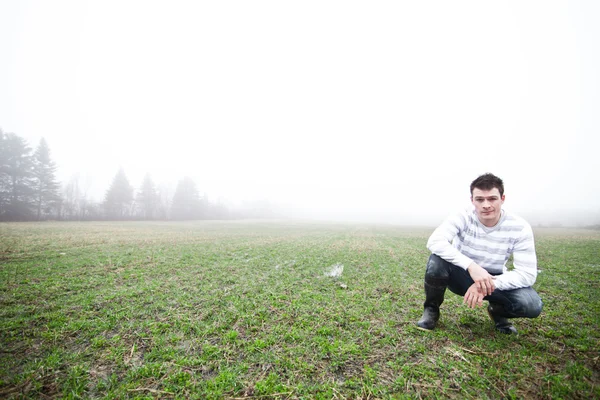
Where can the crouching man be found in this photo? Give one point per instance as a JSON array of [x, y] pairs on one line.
[[469, 255]]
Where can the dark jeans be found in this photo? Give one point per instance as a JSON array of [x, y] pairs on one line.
[[517, 303]]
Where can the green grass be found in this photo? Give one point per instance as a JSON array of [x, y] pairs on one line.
[[214, 310]]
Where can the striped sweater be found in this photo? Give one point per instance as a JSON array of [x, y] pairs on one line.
[[462, 239]]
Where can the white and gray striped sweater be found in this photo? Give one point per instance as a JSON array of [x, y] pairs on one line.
[[462, 239]]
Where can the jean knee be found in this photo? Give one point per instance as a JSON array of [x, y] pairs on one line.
[[536, 307], [532, 305]]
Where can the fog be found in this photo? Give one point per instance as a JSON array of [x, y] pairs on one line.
[[340, 110]]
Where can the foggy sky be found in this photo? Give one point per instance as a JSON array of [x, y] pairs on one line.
[[332, 109]]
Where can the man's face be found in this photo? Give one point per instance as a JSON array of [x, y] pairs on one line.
[[488, 205]]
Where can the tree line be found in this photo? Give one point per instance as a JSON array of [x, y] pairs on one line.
[[30, 191]]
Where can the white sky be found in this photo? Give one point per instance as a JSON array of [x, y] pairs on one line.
[[336, 106]]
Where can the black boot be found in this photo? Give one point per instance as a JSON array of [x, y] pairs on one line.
[[434, 297], [502, 323]]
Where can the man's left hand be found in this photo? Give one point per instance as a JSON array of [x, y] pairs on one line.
[[473, 298]]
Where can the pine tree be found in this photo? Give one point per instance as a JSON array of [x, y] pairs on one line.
[[186, 201], [45, 185], [119, 196], [16, 173], [147, 198]]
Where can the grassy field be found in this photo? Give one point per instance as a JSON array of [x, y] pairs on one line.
[[248, 310]]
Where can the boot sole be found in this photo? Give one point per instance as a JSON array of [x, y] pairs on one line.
[[425, 329]]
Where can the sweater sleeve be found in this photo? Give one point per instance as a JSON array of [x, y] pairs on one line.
[[440, 241], [524, 272]]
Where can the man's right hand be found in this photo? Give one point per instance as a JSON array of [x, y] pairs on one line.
[[483, 280]]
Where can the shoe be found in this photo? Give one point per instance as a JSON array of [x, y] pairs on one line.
[[502, 324], [434, 297], [429, 319]]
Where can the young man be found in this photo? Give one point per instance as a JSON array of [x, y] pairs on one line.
[[469, 255]]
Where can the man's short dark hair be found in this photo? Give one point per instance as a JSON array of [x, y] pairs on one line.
[[488, 182]]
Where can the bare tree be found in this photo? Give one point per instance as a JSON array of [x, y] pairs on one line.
[[75, 203], [164, 201]]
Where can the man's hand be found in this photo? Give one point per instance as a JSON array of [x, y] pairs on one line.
[[484, 282], [473, 297]]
